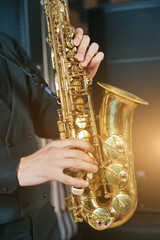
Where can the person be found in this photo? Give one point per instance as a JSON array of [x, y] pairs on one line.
[[27, 111]]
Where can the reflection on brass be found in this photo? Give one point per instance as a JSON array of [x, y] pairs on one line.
[[123, 176], [113, 145], [90, 175], [81, 122], [112, 173], [84, 134], [122, 203], [111, 197], [100, 219], [77, 191], [79, 104]]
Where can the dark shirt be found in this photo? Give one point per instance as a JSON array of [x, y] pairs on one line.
[[5, 98], [26, 110]]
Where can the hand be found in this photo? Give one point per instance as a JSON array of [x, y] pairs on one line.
[[49, 162], [89, 56]]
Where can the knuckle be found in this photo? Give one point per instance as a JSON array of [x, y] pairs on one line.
[[50, 151], [49, 161], [80, 154], [79, 165], [89, 56], [72, 141], [69, 141], [91, 159], [98, 58]]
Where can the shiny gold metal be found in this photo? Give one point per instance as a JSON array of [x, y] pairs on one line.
[[111, 197], [81, 122], [77, 191]]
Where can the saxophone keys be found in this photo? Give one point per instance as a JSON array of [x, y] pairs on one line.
[[90, 176], [100, 219], [122, 203], [61, 7], [61, 126], [75, 49], [70, 44], [114, 146], [76, 85], [73, 133], [77, 191], [123, 176], [81, 122], [53, 58], [84, 134], [115, 174], [57, 30], [71, 53], [79, 104], [91, 155]]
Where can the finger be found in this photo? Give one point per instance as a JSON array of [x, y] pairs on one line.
[[63, 156], [73, 181], [80, 165], [83, 48], [96, 60], [78, 35], [92, 51], [71, 143], [77, 154], [92, 67]]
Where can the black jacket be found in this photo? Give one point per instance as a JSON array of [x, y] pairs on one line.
[[28, 111]]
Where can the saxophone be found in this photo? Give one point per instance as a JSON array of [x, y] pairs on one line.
[[111, 197]]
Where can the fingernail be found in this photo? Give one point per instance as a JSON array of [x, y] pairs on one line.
[[95, 168], [85, 184], [76, 41], [80, 57], [84, 63]]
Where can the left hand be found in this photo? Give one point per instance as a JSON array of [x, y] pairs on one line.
[[87, 54]]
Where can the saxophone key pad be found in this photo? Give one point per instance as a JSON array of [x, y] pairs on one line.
[[83, 134], [81, 122], [114, 173], [90, 176], [114, 146], [77, 191], [122, 203]]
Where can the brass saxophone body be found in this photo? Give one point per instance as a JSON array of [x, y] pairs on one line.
[[111, 197]]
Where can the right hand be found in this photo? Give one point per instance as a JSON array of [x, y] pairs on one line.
[[48, 163], [88, 55]]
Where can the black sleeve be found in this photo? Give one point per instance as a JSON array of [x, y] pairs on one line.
[[44, 111], [43, 105], [8, 175]]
